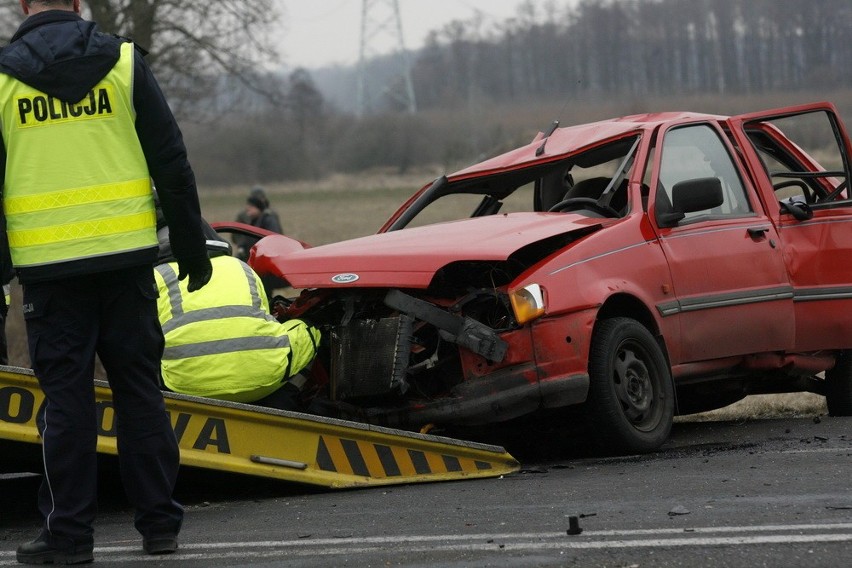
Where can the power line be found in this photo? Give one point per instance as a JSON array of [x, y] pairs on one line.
[[380, 20]]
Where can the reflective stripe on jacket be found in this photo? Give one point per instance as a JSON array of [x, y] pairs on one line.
[[65, 199], [221, 341]]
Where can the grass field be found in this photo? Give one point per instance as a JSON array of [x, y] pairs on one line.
[[337, 208], [756, 407]]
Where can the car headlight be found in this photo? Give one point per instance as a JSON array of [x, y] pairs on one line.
[[527, 303]]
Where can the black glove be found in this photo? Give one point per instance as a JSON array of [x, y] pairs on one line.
[[198, 269]]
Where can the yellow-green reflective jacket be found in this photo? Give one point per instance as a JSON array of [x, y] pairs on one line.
[[221, 341], [65, 198]]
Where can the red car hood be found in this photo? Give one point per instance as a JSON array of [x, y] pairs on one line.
[[410, 257]]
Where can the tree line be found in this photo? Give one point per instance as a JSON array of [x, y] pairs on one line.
[[640, 48], [633, 51]]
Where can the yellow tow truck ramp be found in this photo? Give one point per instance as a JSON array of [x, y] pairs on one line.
[[289, 446]]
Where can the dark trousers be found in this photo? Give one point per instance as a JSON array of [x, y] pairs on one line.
[[113, 315], [285, 398]]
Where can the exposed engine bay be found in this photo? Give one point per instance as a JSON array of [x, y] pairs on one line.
[[389, 349]]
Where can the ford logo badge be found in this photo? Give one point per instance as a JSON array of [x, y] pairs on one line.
[[344, 278]]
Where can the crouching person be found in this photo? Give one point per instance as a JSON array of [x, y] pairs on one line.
[[222, 342]]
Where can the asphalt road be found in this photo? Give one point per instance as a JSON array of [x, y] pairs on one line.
[[772, 493]]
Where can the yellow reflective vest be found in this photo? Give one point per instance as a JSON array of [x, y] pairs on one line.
[[221, 341], [77, 184]]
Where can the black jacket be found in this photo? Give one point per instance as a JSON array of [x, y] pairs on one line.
[[65, 56]]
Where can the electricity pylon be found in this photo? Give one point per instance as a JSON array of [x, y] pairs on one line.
[[380, 20]]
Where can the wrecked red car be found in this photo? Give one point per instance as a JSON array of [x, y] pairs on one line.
[[633, 268]]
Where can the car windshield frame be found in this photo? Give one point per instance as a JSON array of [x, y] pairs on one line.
[[619, 154]]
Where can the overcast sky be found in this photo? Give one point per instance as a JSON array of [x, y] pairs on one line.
[[324, 32]]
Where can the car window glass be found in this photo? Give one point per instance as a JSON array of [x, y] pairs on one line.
[[694, 152], [802, 156]]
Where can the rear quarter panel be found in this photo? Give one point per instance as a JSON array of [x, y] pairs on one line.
[[818, 253]]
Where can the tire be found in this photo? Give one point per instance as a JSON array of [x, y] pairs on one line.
[[838, 386], [631, 398]]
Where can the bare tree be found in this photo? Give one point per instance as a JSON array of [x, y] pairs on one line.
[[194, 45]]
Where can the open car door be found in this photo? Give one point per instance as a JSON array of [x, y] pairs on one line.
[[800, 157]]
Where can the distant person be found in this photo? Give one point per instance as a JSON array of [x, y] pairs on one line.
[[256, 213], [222, 342]]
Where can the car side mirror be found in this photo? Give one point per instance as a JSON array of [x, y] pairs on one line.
[[692, 195], [697, 194]]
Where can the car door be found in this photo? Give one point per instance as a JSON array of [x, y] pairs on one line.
[[730, 290], [801, 154]]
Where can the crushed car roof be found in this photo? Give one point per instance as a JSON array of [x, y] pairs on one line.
[[571, 139]]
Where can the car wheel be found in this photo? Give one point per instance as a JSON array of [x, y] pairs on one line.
[[838, 386], [631, 399]]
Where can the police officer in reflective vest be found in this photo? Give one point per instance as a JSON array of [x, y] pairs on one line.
[[85, 128], [222, 342]]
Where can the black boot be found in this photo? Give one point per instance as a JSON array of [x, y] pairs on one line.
[[40, 551], [160, 544]]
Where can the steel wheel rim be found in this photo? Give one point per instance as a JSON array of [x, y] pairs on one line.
[[636, 386]]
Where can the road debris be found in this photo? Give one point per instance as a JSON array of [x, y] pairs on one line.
[[574, 525]]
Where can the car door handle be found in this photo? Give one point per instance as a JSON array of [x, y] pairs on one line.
[[757, 232]]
